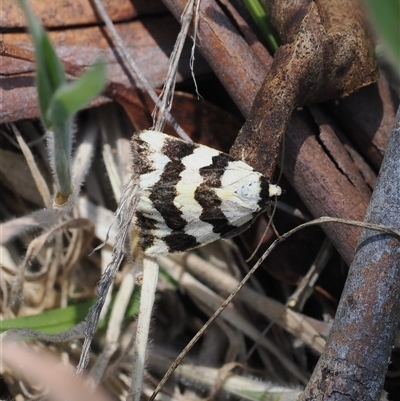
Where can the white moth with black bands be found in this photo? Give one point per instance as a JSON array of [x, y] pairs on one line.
[[191, 195]]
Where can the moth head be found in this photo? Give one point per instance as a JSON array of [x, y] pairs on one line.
[[267, 192], [274, 190]]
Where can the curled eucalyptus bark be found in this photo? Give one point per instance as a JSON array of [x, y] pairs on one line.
[[327, 53]]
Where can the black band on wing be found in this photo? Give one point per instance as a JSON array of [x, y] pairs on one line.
[[141, 151], [208, 199], [146, 225], [164, 192], [180, 241]]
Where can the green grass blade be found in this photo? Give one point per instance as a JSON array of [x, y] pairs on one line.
[[62, 319], [50, 322], [50, 74], [73, 96], [260, 17]]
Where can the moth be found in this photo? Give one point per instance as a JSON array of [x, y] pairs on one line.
[[191, 195]]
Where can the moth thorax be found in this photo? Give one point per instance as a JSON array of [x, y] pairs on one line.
[[250, 191]]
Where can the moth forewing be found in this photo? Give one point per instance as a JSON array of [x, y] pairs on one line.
[[191, 195]]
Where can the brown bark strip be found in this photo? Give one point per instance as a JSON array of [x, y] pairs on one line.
[[60, 13], [354, 362], [147, 42], [15, 52], [231, 59], [350, 162], [199, 122], [367, 116], [324, 189]]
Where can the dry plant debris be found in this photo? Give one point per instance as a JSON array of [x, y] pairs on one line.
[[330, 160]]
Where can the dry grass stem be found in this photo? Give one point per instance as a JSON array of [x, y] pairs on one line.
[[293, 322], [113, 136], [163, 107], [35, 247], [208, 301], [149, 285], [38, 220], [108, 130], [83, 156], [106, 259], [124, 216], [36, 175], [295, 212], [245, 388], [102, 218], [306, 287], [113, 330], [13, 167]]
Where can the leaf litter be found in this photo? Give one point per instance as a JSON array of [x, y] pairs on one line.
[[74, 268]]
